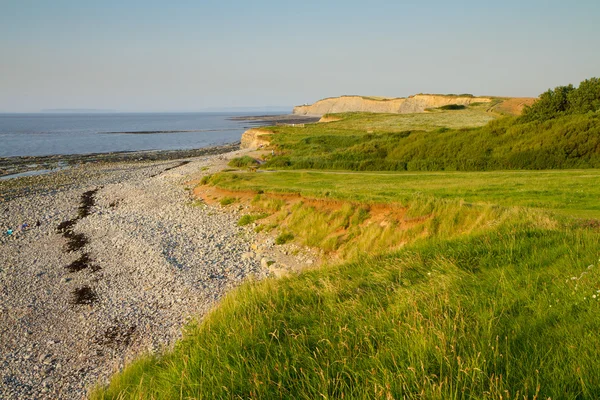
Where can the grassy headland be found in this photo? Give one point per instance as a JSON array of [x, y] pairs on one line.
[[454, 284], [365, 143], [555, 133]]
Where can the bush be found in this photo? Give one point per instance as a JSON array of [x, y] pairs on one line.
[[565, 100], [453, 107], [243, 162]]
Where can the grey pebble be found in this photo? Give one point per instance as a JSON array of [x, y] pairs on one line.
[[154, 261]]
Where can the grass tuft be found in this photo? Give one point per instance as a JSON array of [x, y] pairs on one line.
[[284, 238], [243, 162], [225, 201], [249, 219]]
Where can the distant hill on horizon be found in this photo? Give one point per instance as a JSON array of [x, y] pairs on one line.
[[76, 110]]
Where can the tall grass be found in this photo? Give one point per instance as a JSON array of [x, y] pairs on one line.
[[498, 302], [349, 230], [465, 293], [510, 313]]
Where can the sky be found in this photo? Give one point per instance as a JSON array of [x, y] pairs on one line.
[[184, 55]]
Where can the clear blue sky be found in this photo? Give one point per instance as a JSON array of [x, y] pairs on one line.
[[187, 55]]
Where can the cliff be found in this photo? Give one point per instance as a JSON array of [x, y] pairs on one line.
[[251, 139], [412, 104]]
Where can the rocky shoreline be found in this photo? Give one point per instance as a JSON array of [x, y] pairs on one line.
[[18, 165], [116, 257]]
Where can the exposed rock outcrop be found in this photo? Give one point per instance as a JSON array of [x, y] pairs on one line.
[[412, 104], [251, 139]]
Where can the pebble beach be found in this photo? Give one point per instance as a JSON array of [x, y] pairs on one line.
[[115, 259]]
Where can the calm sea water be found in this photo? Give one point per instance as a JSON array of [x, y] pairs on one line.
[[50, 134]]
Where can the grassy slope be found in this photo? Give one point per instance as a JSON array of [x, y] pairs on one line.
[[427, 142], [499, 302], [506, 313]]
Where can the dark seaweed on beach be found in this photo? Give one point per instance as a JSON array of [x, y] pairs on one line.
[[66, 226], [84, 295], [76, 241], [80, 264], [87, 202], [117, 334]]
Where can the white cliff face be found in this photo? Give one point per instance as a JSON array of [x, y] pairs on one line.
[[413, 104]]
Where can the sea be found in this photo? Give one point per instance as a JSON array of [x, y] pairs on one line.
[[60, 134]]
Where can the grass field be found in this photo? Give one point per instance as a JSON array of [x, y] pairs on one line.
[[508, 310], [435, 119], [434, 142], [510, 313], [453, 285], [570, 192]]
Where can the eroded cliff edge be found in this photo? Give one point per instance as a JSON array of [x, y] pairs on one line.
[[413, 104], [252, 138]]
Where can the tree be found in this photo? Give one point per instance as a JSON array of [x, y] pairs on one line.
[[551, 104], [586, 98]]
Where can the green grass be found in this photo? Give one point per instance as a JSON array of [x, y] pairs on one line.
[[225, 201], [483, 287], [243, 162], [510, 313], [489, 302], [250, 218], [284, 238], [434, 141], [359, 123], [572, 192]]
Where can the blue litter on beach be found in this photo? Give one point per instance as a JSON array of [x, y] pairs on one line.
[[9, 232]]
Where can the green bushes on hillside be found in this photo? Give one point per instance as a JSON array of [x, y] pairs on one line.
[[561, 130], [243, 162], [453, 107], [570, 141], [565, 100]]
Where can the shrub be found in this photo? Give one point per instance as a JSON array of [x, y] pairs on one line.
[[564, 100], [243, 162], [453, 107]]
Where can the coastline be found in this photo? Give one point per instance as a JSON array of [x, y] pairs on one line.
[[20, 164], [117, 257]]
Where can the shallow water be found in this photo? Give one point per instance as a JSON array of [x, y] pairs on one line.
[[30, 173], [51, 134]]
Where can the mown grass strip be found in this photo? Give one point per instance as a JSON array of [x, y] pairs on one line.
[[571, 192]]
